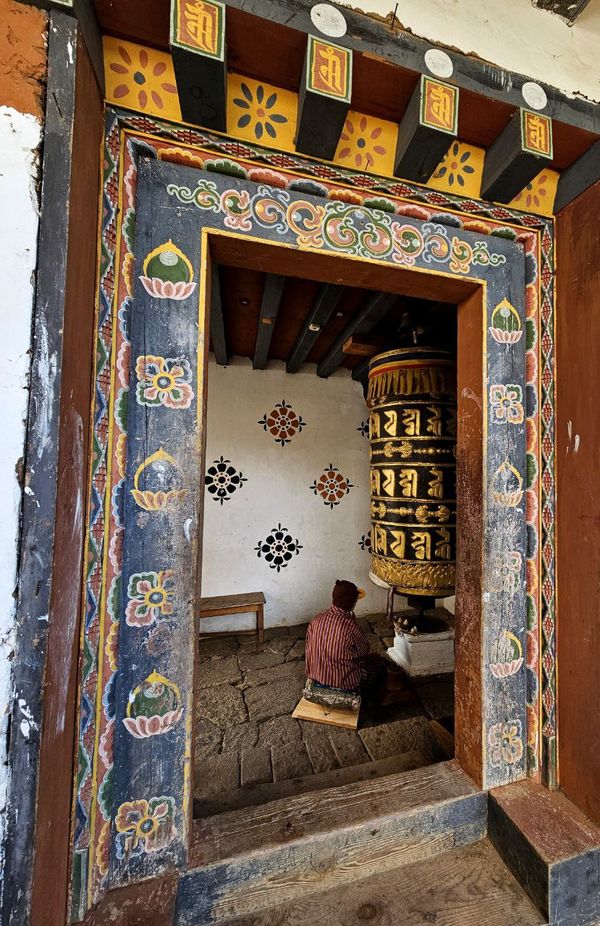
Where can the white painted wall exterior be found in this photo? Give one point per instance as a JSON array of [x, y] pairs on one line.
[[511, 33], [278, 491], [19, 170]]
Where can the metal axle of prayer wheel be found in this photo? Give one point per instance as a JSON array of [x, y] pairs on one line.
[[412, 430]]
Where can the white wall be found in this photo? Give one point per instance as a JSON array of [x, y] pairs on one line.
[[19, 138], [278, 491], [511, 33]]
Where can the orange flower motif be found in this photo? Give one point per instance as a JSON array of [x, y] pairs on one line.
[[143, 81], [360, 142], [346, 196]]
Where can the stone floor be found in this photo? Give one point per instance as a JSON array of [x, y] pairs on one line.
[[248, 747]]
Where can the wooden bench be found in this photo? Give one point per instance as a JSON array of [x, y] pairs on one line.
[[234, 604]]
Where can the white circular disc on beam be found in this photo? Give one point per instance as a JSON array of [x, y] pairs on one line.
[[439, 63], [328, 20], [534, 95]]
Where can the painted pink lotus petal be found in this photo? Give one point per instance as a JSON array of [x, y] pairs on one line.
[[506, 669], [505, 337], [166, 289]]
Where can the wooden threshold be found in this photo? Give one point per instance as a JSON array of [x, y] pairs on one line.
[[244, 861]]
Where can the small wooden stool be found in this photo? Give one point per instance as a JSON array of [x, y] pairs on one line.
[[234, 604]]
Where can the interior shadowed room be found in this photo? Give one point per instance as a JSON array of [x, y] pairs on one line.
[[291, 506]]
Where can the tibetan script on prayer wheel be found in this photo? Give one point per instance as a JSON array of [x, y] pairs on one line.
[[412, 432]]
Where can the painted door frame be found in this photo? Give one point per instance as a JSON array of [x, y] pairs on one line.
[[180, 210], [129, 135]]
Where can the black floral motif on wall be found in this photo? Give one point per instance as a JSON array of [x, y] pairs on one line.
[[365, 542], [282, 422], [222, 479], [331, 486], [364, 428], [278, 548]]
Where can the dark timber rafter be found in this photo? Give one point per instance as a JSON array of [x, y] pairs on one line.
[[568, 9], [374, 309], [517, 156], [269, 308], [578, 177], [217, 319], [372, 37], [324, 306]]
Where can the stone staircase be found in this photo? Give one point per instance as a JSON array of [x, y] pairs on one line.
[[413, 847]]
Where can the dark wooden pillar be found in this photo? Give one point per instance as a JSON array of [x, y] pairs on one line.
[[51, 550]]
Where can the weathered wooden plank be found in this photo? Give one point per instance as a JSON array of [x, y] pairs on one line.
[[218, 335], [197, 41], [285, 848], [427, 130], [465, 887], [552, 848], [577, 178], [316, 713], [324, 99], [332, 778], [324, 306], [366, 318], [517, 156], [230, 601], [269, 309]]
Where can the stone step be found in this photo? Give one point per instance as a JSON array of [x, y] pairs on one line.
[[245, 861], [468, 886], [253, 795], [552, 848]]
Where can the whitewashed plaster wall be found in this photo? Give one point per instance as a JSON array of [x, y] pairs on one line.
[[278, 491], [511, 33], [19, 169]]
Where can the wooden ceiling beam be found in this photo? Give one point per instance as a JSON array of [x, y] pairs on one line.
[[517, 156], [217, 319], [374, 309], [323, 308], [357, 347], [361, 370], [577, 178], [427, 130], [568, 9], [197, 42], [269, 309], [324, 99]]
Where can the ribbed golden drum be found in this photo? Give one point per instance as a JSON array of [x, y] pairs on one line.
[[412, 431]]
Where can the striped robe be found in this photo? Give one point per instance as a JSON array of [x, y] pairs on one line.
[[336, 650]]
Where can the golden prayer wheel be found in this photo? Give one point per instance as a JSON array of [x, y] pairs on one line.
[[412, 432]]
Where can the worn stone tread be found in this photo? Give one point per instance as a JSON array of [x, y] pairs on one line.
[[261, 794], [469, 886], [235, 834]]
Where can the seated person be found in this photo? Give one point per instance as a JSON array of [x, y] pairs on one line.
[[337, 651]]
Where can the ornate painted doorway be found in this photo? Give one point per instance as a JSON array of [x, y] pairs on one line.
[[133, 807]]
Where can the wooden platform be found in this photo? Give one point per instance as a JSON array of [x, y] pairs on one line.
[[469, 886], [308, 710]]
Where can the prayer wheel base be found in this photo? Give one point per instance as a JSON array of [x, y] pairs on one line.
[[427, 648]]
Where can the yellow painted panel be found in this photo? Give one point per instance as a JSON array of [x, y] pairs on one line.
[[143, 79], [261, 113], [368, 144], [460, 171], [140, 78], [539, 195]]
